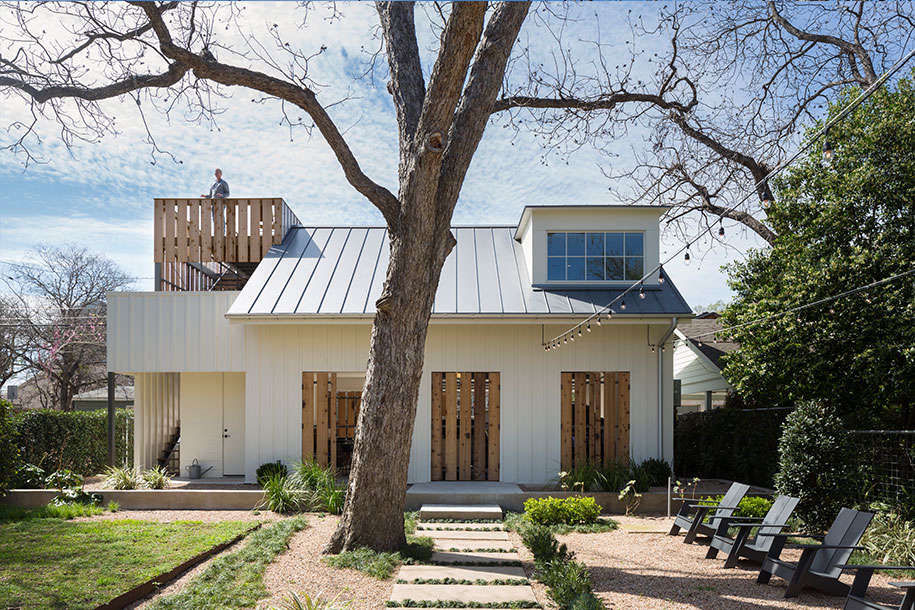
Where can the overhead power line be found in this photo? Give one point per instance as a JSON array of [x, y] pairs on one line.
[[607, 310]]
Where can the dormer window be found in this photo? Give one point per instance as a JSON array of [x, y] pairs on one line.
[[595, 257]]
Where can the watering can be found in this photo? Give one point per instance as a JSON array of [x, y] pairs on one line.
[[194, 470]]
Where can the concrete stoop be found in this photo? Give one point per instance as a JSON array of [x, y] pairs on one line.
[[468, 538]]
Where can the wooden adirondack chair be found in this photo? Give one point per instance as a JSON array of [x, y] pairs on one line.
[[757, 547], [692, 513], [857, 600], [820, 564]]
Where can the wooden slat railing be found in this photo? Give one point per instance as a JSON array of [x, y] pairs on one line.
[[218, 230]]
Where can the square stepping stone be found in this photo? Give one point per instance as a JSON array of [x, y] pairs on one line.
[[464, 593], [413, 572], [445, 544], [473, 556]]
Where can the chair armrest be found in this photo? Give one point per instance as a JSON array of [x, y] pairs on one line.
[[744, 524], [798, 535], [856, 566], [824, 546], [903, 584]]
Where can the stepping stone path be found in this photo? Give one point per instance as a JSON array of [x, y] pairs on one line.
[[458, 546]]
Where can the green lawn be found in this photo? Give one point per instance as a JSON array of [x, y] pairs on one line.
[[53, 563]]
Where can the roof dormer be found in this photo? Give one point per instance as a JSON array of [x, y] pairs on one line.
[[589, 245]]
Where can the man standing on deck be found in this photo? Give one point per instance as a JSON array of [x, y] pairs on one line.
[[220, 188]]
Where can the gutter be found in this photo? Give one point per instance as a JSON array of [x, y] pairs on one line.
[[660, 350]]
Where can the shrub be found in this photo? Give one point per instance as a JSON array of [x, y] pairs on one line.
[[749, 506], [585, 477], [657, 471], [9, 451], [268, 470], [122, 477], [542, 544], [62, 479], [556, 511], [29, 476], [156, 478], [816, 464], [75, 440], [704, 444], [566, 580], [587, 601], [77, 496], [280, 495], [890, 539]]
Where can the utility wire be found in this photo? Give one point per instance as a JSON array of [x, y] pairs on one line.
[[557, 340]]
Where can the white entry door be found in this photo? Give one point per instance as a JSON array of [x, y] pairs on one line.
[[233, 424]]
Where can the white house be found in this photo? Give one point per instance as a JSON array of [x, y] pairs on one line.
[[698, 364], [274, 369]]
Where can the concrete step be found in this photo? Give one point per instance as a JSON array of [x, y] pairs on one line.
[[464, 526], [413, 572], [473, 557], [466, 535], [445, 544], [464, 593], [459, 511]]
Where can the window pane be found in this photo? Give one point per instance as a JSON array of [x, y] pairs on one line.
[[575, 268], [556, 268], [555, 244], [634, 268], [614, 267], [614, 245], [575, 244], [595, 268], [595, 244], [634, 244]]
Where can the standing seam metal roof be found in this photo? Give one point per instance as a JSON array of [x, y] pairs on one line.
[[341, 270]]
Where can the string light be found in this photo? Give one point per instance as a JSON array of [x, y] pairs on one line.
[[686, 256], [589, 327], [579, 331], [623, 305], [642, 292], [598, 320], [828, 152], [661, 276], [766, 202], [721, 230]]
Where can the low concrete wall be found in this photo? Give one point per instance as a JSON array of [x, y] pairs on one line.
[[152, 499]]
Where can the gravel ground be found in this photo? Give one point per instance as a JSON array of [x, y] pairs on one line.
[[301, 570], [651, 570]]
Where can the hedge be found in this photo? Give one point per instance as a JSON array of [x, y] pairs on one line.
[[76, 440], [728, 443]]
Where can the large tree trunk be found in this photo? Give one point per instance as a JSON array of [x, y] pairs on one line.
[[373, 513]]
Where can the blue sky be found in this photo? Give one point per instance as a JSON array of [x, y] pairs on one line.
[[100, 195]]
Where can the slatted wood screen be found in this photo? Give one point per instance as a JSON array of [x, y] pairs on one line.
[[319, 418], [594, 421], [465, 426], [218, 230], [347, 411]]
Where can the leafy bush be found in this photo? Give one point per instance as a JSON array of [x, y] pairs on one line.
[[749, 506], [890, 539], [122, 477], [587, 601], [704, 444], [817, 464], [566, 580], [77, 496], [9, 451], [555, 511], [62, 479], [280, 495], [542, 544], [75, 440], [29, 476], [657, 471], [268, 470], [156, 478]]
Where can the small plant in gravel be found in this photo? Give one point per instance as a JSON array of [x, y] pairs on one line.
[[294, 601], [587, 601], [565, 580], [437, 603], [630, 497], [542, 544]]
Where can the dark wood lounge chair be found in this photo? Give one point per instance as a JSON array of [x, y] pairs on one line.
[[756, 547], [693, 511], [820, 564], [857, 596]]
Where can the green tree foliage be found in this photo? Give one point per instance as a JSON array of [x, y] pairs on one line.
[[9, 451], [840, 225], [817, 464]]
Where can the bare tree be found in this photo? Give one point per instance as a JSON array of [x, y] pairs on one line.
[[738, 82], [60, 312], [14, 341]]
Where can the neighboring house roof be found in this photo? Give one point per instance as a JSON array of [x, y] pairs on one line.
[[341, 270], [698, 332], [121, 392]]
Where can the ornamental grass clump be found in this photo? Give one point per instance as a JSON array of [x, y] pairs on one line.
[[122, 477], [156, 478], [310, 487]]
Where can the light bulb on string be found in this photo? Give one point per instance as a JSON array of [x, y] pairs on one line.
[[721, 230], [641, 292], [660, 276], [589, 327], [598, 320], [623, 305], [579, 331], [572, 338], [686, 256], [828, 152]]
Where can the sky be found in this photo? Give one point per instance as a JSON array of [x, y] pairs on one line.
[[100, 195]]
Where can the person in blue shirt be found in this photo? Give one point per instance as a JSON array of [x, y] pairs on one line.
[[220, 188]]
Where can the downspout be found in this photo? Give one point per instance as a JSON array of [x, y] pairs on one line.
[[660, 350]]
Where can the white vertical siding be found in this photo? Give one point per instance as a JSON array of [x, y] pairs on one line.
[[697, 373]]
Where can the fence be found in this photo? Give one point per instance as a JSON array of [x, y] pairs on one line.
[[889, 456]]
